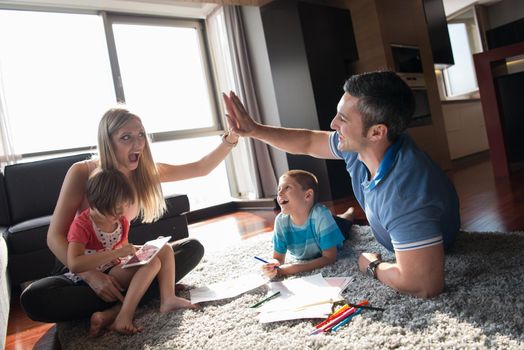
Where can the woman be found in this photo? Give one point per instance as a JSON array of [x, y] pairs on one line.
[[122, 145]]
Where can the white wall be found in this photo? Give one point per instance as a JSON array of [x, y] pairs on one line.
[[465, 128], [504, 12], [262, 78]]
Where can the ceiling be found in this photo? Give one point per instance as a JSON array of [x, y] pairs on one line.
[[452, 6]]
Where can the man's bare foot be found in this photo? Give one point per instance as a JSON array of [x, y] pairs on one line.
[[101, 319], [348, 214], [172, 303], [125, 326]]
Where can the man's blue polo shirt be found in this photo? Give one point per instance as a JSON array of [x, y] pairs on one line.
[[410, 203]]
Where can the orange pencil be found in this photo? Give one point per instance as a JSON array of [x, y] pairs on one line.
[[333, 315]]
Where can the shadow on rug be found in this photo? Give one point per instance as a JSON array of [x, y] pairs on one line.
[[482, 305]]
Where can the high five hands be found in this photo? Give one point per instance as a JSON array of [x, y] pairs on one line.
[[239, 120]]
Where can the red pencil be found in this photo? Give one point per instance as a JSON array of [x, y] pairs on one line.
[[336, 318]]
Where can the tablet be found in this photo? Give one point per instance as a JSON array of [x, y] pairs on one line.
[[147, 252]]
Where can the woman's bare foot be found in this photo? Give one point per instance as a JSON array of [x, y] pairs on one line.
[[125, 326], [174, 302], [348, 214], [180, 287], [101, 319]]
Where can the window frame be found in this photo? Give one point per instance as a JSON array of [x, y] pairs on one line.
[[475, 47], [111, 17]]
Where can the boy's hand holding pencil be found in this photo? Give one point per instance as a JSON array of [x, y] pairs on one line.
[[270, 268]]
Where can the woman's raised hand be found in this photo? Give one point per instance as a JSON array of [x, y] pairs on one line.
[[239, 120]]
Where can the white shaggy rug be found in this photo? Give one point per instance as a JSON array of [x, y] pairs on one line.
[[481, 308]]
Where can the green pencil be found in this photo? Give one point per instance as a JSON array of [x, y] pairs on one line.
[[272, 296]]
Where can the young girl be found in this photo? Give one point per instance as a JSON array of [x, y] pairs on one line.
[[98, 239]]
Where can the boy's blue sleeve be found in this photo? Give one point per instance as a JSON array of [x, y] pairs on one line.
[[329, 234], [279, 238]]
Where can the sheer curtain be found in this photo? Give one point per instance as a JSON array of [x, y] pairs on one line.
[[7, 152], [233, 66]]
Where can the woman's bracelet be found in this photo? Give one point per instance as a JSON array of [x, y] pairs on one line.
[[224, 140]]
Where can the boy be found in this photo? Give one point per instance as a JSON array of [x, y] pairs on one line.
[[98, 238], [304, 227]]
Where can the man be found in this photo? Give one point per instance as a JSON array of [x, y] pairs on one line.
[[410, 204]]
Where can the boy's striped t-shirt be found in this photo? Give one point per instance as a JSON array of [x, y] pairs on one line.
[[320, 232]]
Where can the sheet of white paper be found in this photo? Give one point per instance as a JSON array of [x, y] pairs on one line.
[[227, 289], [306, 297], [319, 311], [341, 282]]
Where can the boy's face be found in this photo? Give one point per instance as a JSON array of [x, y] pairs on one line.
[[291, 197]]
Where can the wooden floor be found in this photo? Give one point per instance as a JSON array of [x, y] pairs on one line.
[[487, 204]]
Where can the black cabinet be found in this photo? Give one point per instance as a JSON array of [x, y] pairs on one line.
[[310, 48], [438, 33], [509, 91], [507, 34]]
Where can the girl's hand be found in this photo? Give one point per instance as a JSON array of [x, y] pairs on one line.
[[126, 250]]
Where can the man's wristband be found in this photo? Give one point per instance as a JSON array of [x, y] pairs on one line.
[[372, 268]]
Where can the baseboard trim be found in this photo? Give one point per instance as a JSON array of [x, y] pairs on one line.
[[195, 216], [469, 160], [210, 212], [254, 204]]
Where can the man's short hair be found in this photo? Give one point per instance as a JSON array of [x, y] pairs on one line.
[[383, 98]]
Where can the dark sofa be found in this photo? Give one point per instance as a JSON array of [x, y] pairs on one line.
[[28, 194]]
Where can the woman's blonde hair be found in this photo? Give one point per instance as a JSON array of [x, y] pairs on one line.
[[145, 178]]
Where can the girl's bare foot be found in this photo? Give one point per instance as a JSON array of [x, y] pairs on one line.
[[101, 319], [348, 214], [174, 302], [125, 326]]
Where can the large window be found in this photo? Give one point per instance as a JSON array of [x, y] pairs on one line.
[[460, 78], [163, 73], [61, 71], [56, 79]]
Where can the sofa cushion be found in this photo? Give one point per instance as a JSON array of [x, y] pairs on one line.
[[172, 222], [4, 292], [31, 235], [175, 226], [32, 188], [28, 236], [30, 266], [4, 209], [177, 204]]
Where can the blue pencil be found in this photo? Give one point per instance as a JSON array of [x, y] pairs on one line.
[[264, 261], [334, 329]]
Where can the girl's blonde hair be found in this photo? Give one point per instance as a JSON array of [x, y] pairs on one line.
[[145, 178]]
